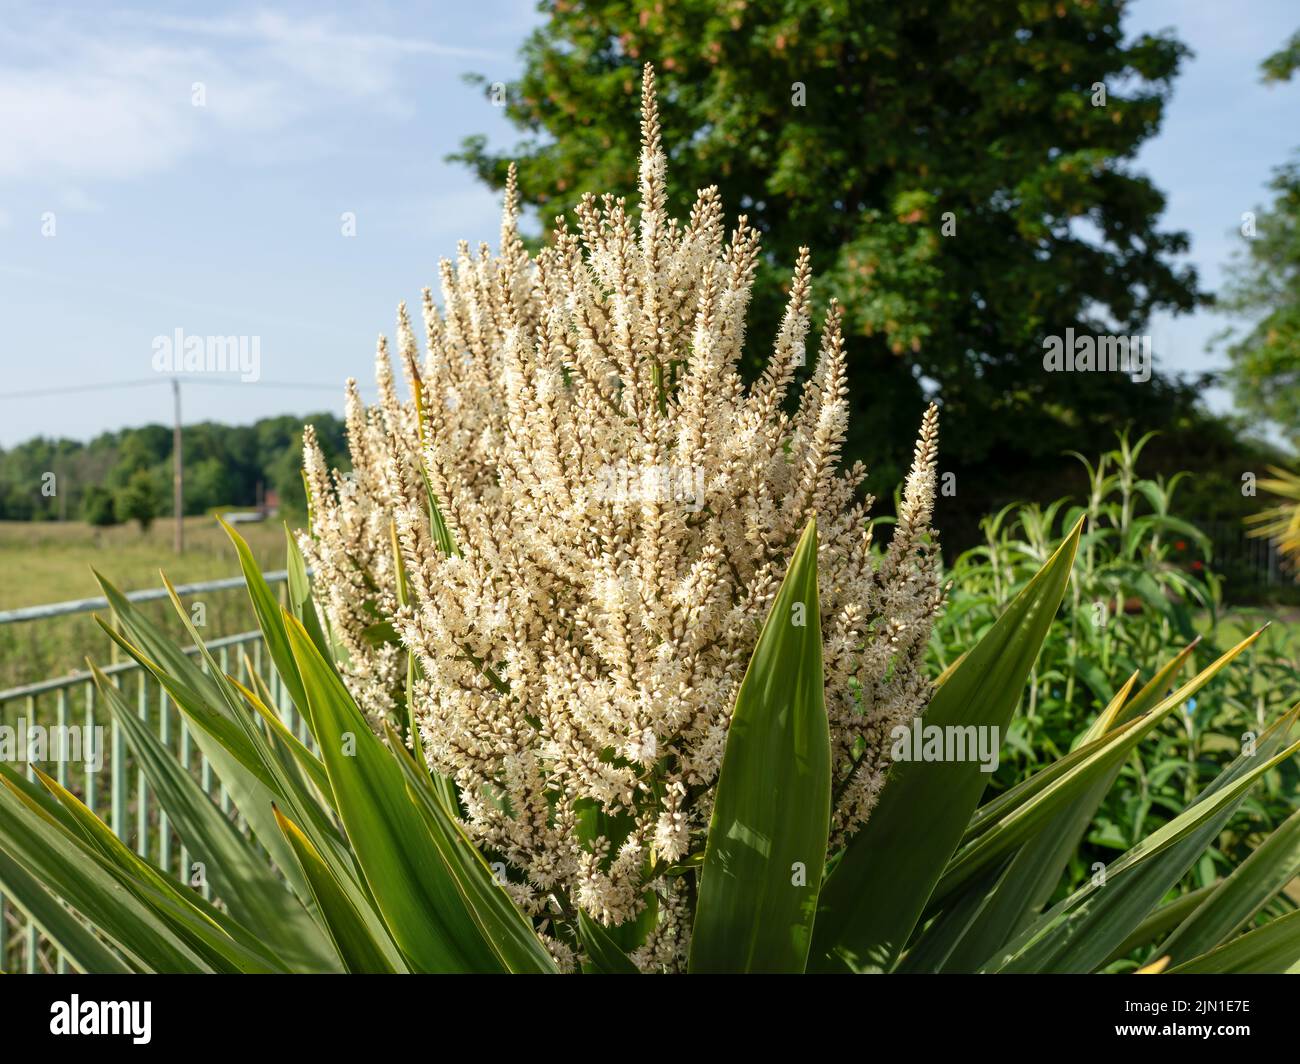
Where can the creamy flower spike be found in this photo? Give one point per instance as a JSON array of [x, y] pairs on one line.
[[622, 509]]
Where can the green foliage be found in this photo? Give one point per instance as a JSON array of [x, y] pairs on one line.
[[97, 507], [224, 465], [961, 194], [878, 890], [138, 500], [767, 837], [1264, 288], [352, 859], [1143, 591], [1283, 63]]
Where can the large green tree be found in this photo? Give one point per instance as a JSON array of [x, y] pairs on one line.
[[1264, 286], [961, 170]]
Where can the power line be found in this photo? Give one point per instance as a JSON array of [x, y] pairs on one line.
[[174, 380], [265, 384], [108, 385], [75, 388]]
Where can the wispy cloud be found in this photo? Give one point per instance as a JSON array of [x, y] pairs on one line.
[[323, 32], [114, 97]]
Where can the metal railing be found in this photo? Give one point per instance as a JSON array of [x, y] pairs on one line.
[[105, 774], [1247, 561]]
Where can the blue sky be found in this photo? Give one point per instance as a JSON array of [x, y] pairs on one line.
[[225, 219]]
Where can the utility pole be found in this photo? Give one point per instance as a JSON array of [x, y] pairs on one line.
[[178, 476]]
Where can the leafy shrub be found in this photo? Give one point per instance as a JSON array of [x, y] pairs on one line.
[[97, 507], [1144, 591], [137, 500]]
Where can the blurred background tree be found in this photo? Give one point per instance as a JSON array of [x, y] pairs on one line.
[[962, 171], [97, 507], [224, 467], [1264, 286], [137, 500]]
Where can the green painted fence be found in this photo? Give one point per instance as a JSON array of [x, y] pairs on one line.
[[110, 782]]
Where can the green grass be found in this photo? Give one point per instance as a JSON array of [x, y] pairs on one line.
[[49, 561], [45, 562], [1236, 624]]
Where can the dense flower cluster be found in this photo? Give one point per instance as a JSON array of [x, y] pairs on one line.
[[612, 513]]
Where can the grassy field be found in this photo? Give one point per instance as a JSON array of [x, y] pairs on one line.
[[45, 562]]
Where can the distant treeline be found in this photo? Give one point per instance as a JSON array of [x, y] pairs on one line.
[[127, 475]]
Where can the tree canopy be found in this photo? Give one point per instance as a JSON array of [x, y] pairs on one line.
[[1264, 286], [962, 171], [127, 475]]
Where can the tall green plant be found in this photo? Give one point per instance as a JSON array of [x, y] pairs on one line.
[[1143, 590], [354, 859]]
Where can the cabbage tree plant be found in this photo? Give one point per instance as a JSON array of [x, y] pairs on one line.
[[354, 859]]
